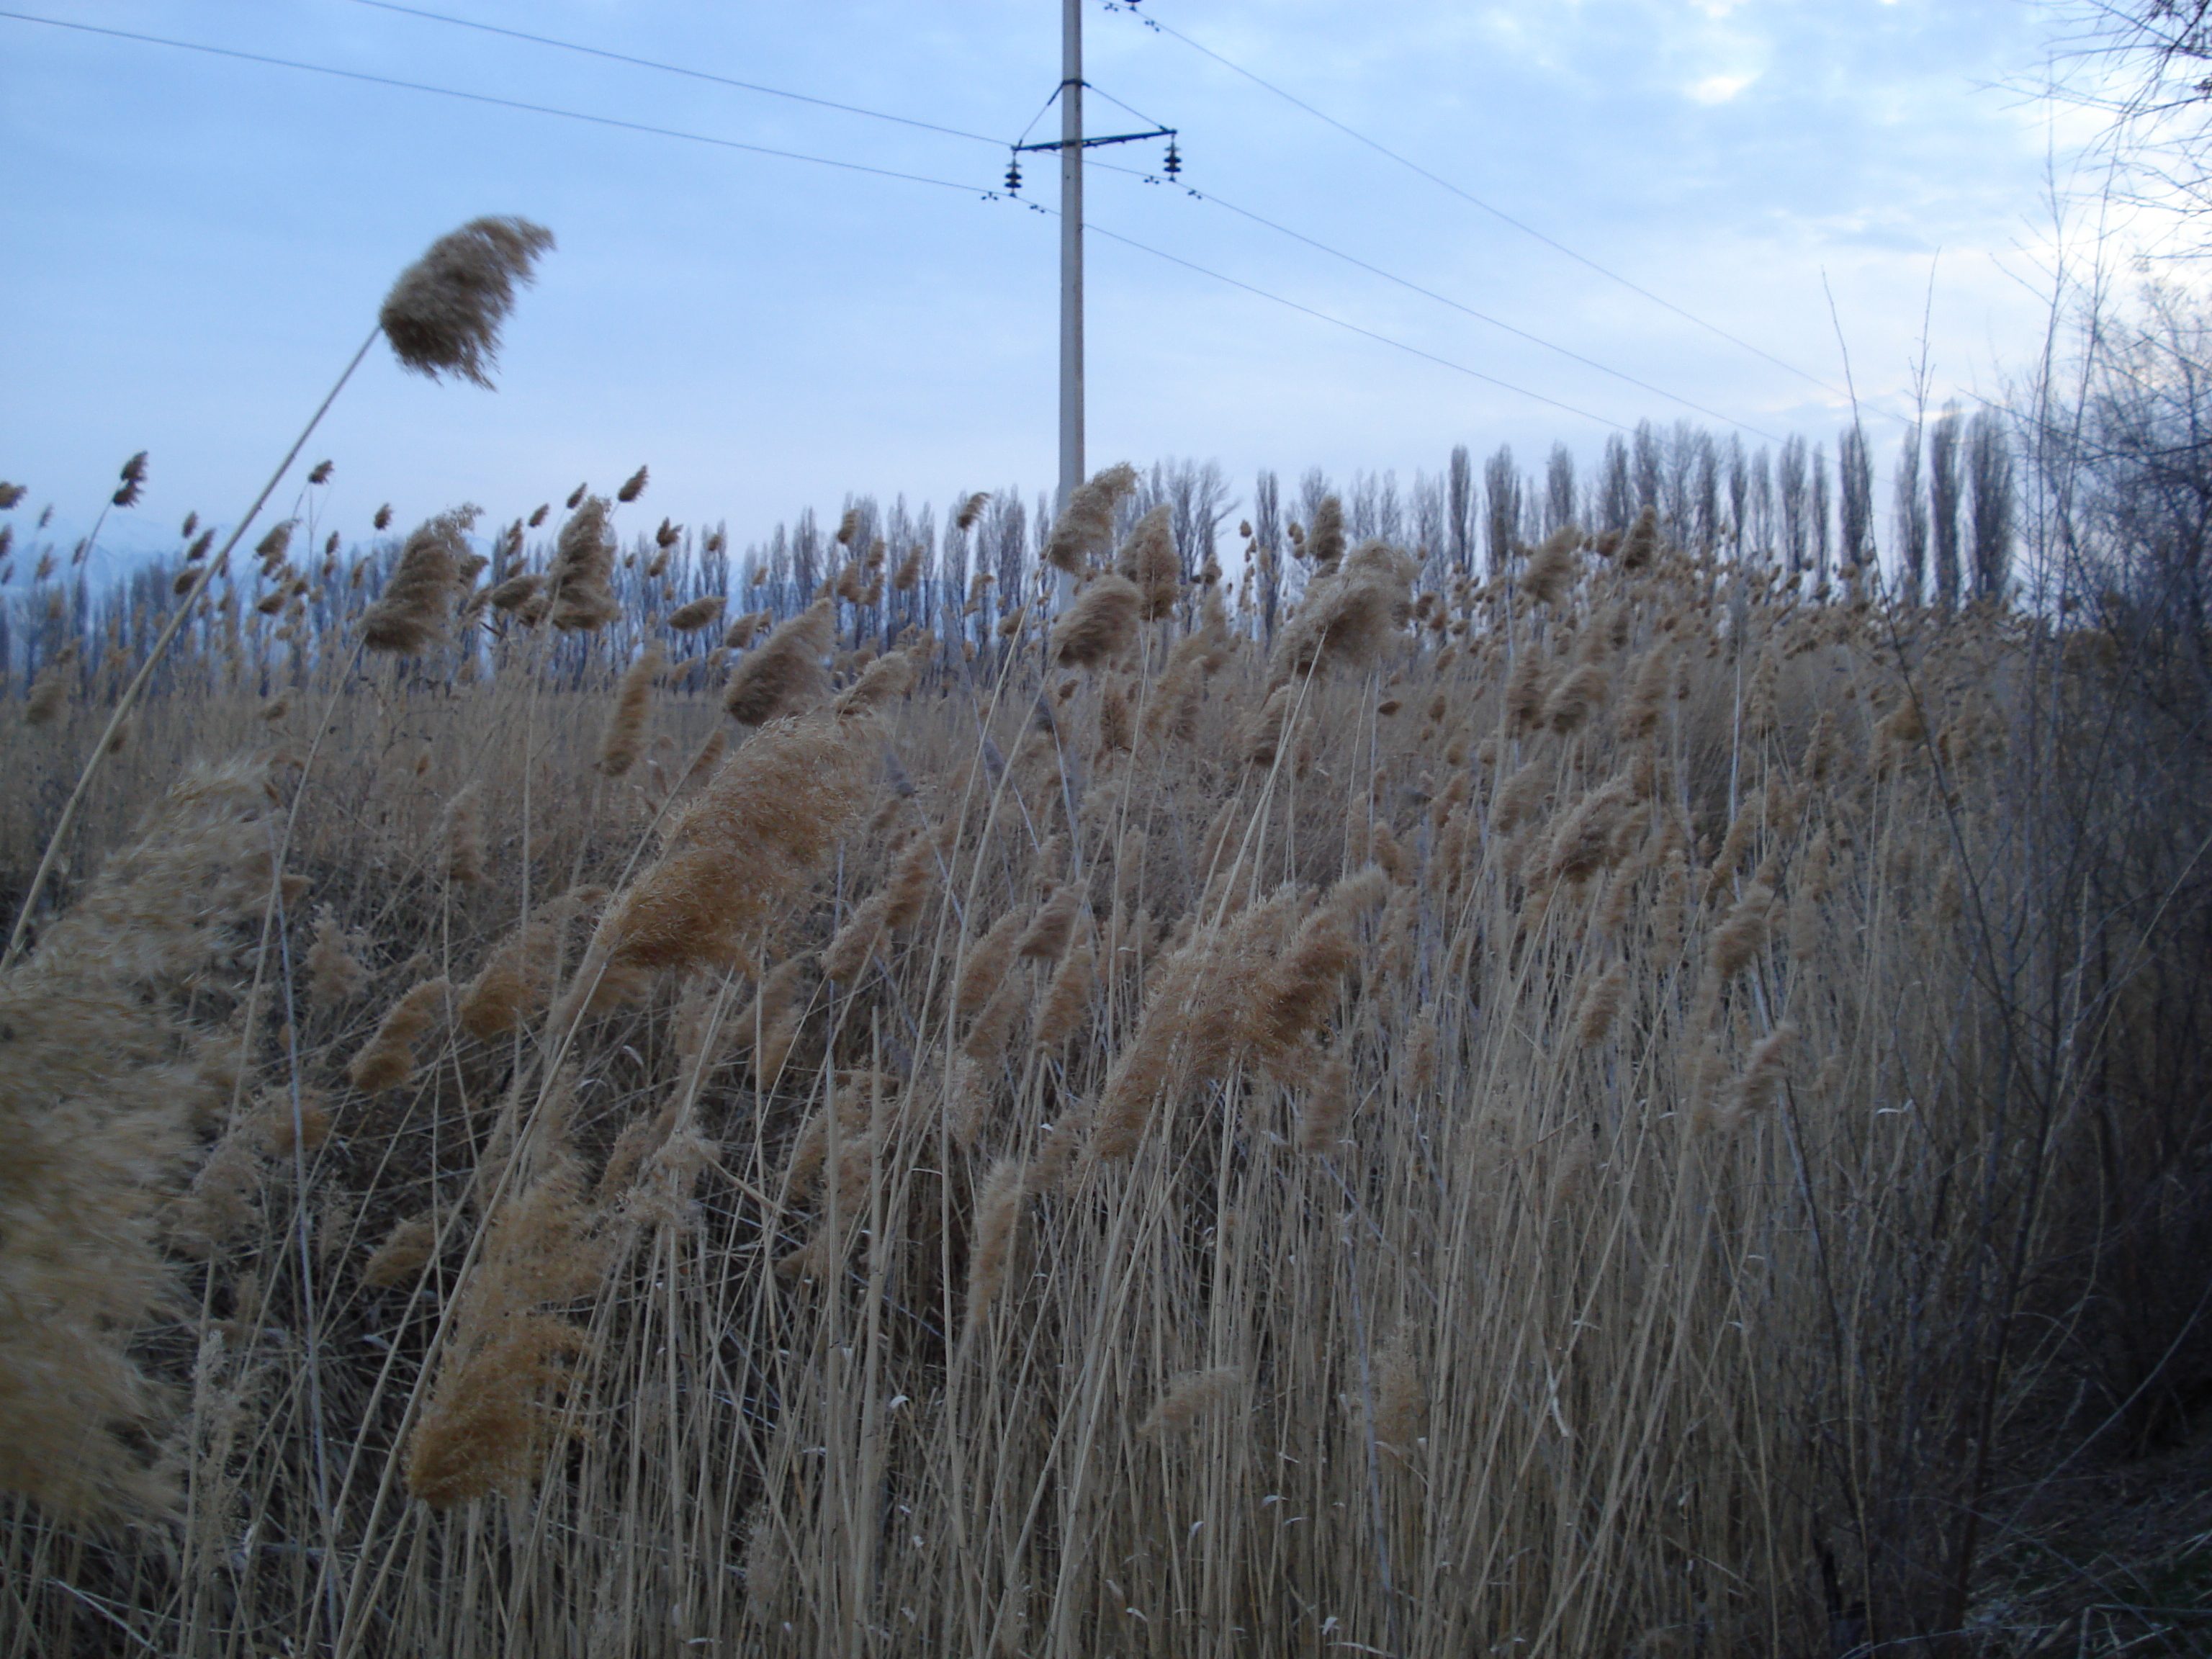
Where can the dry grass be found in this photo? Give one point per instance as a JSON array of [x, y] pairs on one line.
[[1165, 1158]]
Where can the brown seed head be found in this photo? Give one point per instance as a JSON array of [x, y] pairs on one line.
[[444, 313]]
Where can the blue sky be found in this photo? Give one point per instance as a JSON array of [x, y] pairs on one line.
[[197, 244]]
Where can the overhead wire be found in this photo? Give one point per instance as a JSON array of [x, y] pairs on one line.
[[1157, 26], [1373, 269], [672, 69], [1095, 228], [1096, 92], [1444, 300], [649, 129], [485, 97], [1131, 109]]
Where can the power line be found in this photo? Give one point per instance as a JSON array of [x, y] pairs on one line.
[[1157, 26], [1097, 229], [852, 166], [852, 109], [672, 69], [1446, 299], [486, 98]]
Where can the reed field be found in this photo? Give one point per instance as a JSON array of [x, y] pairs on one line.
[[1619, 1105]]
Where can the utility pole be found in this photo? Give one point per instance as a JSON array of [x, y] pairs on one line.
[[1071, 251], [1071, 144]]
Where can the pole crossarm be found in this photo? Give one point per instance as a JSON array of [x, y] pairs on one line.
[[1091, 142]]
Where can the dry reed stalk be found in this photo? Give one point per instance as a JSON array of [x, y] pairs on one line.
[[494, 1410], [881, 683], [1067, 999], [1600, 1004], [1577, 695], [1764, 1075], [1640, 546], [1739, 937], [1049, 932], [516, 980], [1325, 1100], [462, 835], [846, 954], [49, 691], [785, 674], [987, 961]]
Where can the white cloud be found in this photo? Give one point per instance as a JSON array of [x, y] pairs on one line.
[[1719, 89]]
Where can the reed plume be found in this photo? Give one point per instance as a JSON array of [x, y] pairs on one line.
[[1325, 539], [105, 1081], [1099, 626], [1188, 1397], [624, 736], [411, 616], [444, 313], [998, 1208], [388, 1059], [1085, 525], [578, 592], [703, 612], [747, 845], [1149, 559], [785, 674]]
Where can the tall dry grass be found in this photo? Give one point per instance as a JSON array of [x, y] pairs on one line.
[[1524, 1118]]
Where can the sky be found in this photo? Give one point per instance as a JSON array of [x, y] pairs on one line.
[[1825, 204]]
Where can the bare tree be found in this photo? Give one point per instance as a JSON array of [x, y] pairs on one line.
[[1912, 522], [1739, 489], [1559, 489], [1990, 488], [1855, 492], [1761, 530], [1268, 547], [1313, 487], [1648, 464], [1615, 503], [1704, 518], [1818, 511], [1459, 508], [1945, 491], [1789, 487], [1501, 517]]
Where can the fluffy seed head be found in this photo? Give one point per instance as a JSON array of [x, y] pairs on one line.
[[1086, 524], [443, 315], [1099, 625], [412, 615], [785, 673], [1149, 559]]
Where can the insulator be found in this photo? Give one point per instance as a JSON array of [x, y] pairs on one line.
[[1014, 174], [1174, 162]]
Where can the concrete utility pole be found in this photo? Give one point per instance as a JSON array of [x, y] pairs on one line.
[[1071, 250], [1071, 144]]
